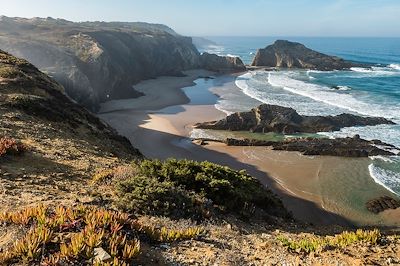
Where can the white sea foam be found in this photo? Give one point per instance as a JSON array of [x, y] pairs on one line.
[[343, 88], [377, 71], [381, 158], [386, 178], [388, 133], [232, 55], [395, 66], [326, 95], [223, 107]]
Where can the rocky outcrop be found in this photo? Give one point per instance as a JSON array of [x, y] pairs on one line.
[[217, 63], [287, 54], [344, 147], [381, 204], [99, 61], [278, 119]]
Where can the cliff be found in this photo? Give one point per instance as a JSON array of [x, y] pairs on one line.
[[278, 119], [288, 54], [99, 61]]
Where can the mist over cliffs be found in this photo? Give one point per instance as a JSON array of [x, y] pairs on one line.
[[99, 61]]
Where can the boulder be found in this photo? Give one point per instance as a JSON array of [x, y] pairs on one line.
[[382, 203], [288, 54], [217, 63]]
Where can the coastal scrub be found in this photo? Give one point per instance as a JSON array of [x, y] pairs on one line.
[[189, 186]]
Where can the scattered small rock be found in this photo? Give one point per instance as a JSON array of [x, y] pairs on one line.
[[381, 204], [101, 255]]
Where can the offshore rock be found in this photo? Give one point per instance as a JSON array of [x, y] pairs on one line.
[[288, 54]]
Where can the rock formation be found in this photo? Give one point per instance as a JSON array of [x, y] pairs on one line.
[[381, 204], [295, 55], [221, 63], [344, 147], [278, 119], [99, 61]]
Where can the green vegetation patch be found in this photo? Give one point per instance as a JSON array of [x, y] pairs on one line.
[[342, 240], [189, 186]]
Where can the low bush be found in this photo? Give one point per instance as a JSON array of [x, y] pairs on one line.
[[147, 195], [190, 186], [9, 146]]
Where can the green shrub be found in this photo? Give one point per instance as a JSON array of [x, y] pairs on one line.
[[148, 195], [174, 182]]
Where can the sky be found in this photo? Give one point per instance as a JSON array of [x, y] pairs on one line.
[[346, 18]]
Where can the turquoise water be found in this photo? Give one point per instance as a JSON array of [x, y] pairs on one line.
[[363, 91]]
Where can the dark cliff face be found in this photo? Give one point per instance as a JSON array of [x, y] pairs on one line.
[[295, 55], [278, 119], [97, 61]]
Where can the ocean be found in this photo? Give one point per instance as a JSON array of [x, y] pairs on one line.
[[363, 91]]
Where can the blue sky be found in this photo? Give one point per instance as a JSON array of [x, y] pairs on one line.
[[230, 17]]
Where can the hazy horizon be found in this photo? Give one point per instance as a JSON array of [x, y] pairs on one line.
[[255, 18]]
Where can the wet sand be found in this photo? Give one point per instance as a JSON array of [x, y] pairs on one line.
[[162, 132]]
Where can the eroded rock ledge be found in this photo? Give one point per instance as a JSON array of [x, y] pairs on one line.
[[344, 147], [278, 119]]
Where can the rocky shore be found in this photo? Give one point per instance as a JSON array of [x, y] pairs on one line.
[[381, 204], [345, 147], [272, 118]]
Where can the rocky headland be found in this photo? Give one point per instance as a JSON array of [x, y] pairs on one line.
[[286, 54], [99, 61], [272, 118]]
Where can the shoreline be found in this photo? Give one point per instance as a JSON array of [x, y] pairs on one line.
[[159, 125]]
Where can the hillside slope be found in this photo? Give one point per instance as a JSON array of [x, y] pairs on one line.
[[66, 143]]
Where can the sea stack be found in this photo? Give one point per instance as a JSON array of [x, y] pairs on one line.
[[288, 54]]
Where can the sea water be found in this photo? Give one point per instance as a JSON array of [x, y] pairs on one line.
[[362, 91]]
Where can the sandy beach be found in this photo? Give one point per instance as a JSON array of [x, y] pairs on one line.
[[159, 125]]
